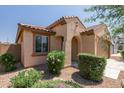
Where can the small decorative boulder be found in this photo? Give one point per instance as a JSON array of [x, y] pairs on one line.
[[122, 83]]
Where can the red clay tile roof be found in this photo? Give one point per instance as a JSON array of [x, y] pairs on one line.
[[62, 19], [34, 27], [96, 29]]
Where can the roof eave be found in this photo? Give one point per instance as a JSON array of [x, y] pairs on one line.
[[21, 28], [60, 21], [88, 32]]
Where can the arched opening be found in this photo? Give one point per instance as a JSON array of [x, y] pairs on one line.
[[74, 49]]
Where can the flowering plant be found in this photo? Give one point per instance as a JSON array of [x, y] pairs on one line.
[[55, 61]]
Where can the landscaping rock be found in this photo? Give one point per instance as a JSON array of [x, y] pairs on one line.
[[122, 83]]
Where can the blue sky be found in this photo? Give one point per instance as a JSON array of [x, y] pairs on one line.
[[35, 15]]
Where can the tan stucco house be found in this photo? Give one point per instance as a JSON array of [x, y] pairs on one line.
[[67, 34]]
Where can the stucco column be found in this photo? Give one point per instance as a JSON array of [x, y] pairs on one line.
[[67, 49]]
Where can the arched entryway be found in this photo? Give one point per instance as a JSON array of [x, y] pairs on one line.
[[74, 49]]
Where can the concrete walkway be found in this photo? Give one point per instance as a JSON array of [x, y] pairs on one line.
[[114, 66]]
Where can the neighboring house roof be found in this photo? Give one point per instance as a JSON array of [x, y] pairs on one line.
[[98, 29], [101, 30]]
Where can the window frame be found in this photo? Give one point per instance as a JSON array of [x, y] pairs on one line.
[[34, 45]]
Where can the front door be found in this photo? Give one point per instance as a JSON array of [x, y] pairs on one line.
[[74, 50]]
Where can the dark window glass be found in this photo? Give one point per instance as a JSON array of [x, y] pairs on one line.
[[41, 44], [38, 44], [44, 44]]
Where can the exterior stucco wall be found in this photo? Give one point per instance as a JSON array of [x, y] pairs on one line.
[[55, 43], [67, 31], [73, 30], [88, 44], [61, 30], [29, 59], [55, 40], [103, 48]]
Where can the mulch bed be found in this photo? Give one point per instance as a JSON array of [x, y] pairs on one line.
[[73, 74], [69, 73]]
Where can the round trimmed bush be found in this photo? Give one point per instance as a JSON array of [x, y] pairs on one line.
[[91, 67], [26, 78], [8, 61], [55, 61]]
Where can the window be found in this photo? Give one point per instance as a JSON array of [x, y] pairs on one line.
[[41, 43]]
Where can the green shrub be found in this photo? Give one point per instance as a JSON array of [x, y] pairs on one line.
[[26, 78], [8, 61], [56, 84], [73, 84], [122, 54], [91, 67], [55, 61]]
